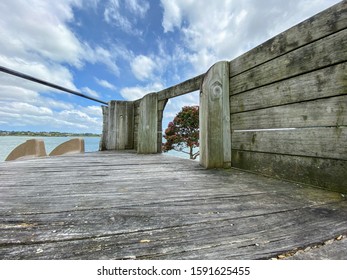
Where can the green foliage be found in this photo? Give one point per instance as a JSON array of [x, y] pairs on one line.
[[183, 132]]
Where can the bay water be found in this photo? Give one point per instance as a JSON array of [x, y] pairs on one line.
[[8, 143]]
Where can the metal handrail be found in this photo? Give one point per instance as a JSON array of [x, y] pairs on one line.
[[48, 84]]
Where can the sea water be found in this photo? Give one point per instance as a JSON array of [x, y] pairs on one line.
[[8, 143]]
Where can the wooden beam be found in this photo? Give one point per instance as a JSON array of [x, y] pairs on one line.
[[326, 173], [311, 142], [181, 88], [322, 112]]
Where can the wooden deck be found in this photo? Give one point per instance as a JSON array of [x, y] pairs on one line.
[[120, 205]]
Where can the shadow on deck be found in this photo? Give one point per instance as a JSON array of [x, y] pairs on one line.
[[120, 205]]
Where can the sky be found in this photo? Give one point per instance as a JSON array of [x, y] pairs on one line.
[[122, 50]]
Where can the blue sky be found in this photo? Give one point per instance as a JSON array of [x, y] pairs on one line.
[[121, 50]]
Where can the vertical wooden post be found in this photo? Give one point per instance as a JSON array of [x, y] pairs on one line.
[[104, 135], [148, 125], [161, 107], [118, 126], [214, 118]]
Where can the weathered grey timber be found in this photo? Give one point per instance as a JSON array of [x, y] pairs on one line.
[[122, 205], [148, 125], [188, 86], [318, 84], [118, 126], [296, 81], [214, 118], [331, 251]]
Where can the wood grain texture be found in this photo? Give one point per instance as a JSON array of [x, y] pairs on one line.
[[214, 118], [311, 142], [322, 83], [322, 53], [325, 252], [101, 205], [148, 125], [327, 173], [295, 80], [319, 113], [319, 26], [185, 87]]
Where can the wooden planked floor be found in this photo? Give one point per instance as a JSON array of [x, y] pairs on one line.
[[120, 205]]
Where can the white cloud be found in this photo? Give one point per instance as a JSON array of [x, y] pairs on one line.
[[36, 40], [92, 110], [137, 7], [134, 93], [172, 15], [142, 67], [115, 13], [33, 37], [90, 92], [105, 84], [15, 93], [78, 119], [221, 29], [52, 103], [101, 55]]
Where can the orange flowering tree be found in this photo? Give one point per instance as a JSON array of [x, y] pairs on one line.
[[182, 134]]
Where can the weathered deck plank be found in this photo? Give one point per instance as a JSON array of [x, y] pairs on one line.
[[117, 205]]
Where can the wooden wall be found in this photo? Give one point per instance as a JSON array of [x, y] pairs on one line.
[[288, 103]]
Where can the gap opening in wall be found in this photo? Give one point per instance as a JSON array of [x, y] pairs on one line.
[[180, 126]]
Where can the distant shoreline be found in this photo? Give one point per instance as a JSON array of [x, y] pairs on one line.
[[47, 134]]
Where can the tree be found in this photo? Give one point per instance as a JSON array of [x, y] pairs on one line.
[[183, 132]]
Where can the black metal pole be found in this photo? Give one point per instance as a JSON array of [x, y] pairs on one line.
[[30, 78]]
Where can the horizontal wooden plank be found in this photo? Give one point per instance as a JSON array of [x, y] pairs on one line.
[[318, 26], [312, 142], [326, 82], [322, 53], [188, 86], [260, 236], [326, 173], [322, 112], [89, 223]]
